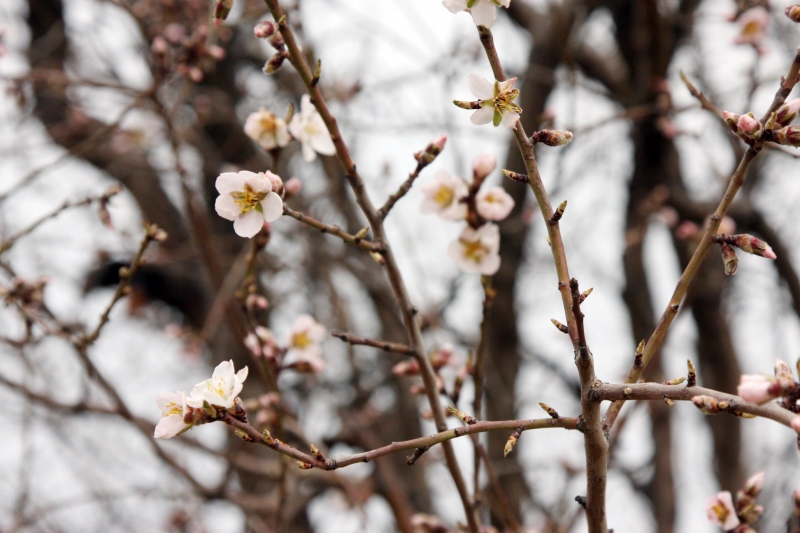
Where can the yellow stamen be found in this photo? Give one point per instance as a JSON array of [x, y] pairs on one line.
[[444, 196], [301, 340]]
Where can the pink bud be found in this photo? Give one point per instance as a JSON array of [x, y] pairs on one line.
[[483, 165], [787, 112], [264, 29], [293, 186], [789, 135], [274, 180], [720, 511], [756, 388], [731, 118], [438, 144], [793, 12], [159, 45], [174, 32], [749, 126], [686, 230], [406, 368], [217, 52], [729, 259], [796, 427], [754, 485]]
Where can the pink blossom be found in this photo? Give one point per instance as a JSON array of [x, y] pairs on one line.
[[720, 511], [483, 165], [752, 26], [755, 388], [494, 203]]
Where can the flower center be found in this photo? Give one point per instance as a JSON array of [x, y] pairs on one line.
[[247, 200], [721, 511], [444, 196], [301, 340], [751, 29], [218, 387], [473, 250], [267, 123], [504, 102], [173, 409]]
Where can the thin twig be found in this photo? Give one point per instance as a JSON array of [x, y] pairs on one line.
[[382, 345], [359, 242], [401, 191]]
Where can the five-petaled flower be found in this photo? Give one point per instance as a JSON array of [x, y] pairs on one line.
[[496, 101], [173, 415], [752, 26], [720, 511], [308, 127], [268, 130], [443, 196], [483, 11], [305, 338], [247, 199], [493, 203], [476, 250], [221, 390]]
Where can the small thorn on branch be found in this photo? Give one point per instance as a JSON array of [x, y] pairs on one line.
[[581, 500], [637, 359], [411, 459], [691, 380]]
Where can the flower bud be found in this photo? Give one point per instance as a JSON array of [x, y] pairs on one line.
[[430, 152], [787, 112], [731, 118], [751, 245], [464, 417], [729, 258], [483, 165], [293, 186], [789, 135], [274, 62], [406, 368], [221, 10], [552, 137], [159, 46], [749, 126], [706, 404], [754, 485], [265, 28], [793, 12]]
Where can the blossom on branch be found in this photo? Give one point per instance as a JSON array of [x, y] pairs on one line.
[[477, 250], [494, 203], [443, 196], [268, 130], [222, 389], [757, 388], [753, 26], [720, 511], [247, 199], [483, 165], [495, 101], [305, 339], [483, 11], [308, 127], [173, 412]]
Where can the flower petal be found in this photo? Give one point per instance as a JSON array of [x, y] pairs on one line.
[[257, 182], [308, 153], [455, 6], [248, 224], [229, 182], [321, 142], [483, 13], [490, 265], [482, 116], [170, 426], [480, 87], [510, 120], [272, 206], [226, 207]]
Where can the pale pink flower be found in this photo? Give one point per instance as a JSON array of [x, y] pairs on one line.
[[749, 126], [443, 196], [305, 338], [222, 389], [477, 250], [483, 11], [308, 127], [752, 26], [267, 129], [754, 484], [173, 410], [496, 100], [483, 165], [720, 511], [247, 199], [756, 388], [493, 203]]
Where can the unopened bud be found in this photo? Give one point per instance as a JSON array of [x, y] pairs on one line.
[[512, 441], [552, 137], [706, 404], [754, 485], [784, 376], [585, 294], [316, 453], [483, 165], [787, 112], [676, 381], [749, 244], [256, 302], [561, 327], [426, 156], [516, 176], [466, 105], [464, 417], [749, 126], [729, 258], [793, 12], [732, 119], [265, 28], [692, 377], [221, 10], [789, 135], [274, 62], [669, 402], [302, 465], [292, 186], [550, 411], [159, 46], [406, 368]]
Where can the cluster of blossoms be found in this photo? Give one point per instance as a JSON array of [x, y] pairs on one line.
[[477, 248], [302, 351], [776, 129], [483, 11], [760, 388], [209, 400], [737, 518]]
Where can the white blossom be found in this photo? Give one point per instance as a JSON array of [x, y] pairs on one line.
[[306, 336], [483, 11], [308, 127], [493, 203], [247, 199], [477, 250], [222, 389], [173, 411], [268, 130], [443, 195], [496, 100]]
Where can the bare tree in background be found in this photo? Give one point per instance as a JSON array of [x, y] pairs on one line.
[[157, 103]]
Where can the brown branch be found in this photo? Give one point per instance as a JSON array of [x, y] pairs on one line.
[[382, 345], [736, 182], [423, 443], [595, 443], [401, 191], [396, 281], [355, 240]]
